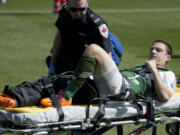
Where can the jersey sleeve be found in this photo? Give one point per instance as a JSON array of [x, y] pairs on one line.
[[100, 31], [169, 80], [62, 15], [102, 34]]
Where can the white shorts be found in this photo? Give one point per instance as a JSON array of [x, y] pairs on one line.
[[109, 83]]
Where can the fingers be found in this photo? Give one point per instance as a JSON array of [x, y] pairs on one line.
[[151, 65]]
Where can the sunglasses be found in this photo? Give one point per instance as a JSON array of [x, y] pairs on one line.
[[72, 9], [77, 9]]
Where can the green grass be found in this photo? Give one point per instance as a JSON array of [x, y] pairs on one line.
[[26, 38]]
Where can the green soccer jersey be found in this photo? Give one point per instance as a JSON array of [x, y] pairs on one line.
[[140, 80], [137, 82]]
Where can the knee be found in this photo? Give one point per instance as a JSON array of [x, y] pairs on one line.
[[93, 50]]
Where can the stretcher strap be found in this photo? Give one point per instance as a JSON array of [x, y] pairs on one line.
[[55, 101], [150, 114], [101, 112], [50, 89], [131, 97], [148, 99]]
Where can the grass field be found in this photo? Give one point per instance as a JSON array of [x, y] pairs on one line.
[[27, 31]]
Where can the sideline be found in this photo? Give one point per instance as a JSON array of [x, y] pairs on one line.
[[159, 10]]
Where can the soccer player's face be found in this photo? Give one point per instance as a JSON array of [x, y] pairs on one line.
[[158, 52]]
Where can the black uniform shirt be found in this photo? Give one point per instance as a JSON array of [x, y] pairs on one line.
[[77, 34]]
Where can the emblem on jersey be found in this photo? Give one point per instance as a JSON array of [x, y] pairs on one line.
[[103, 30]]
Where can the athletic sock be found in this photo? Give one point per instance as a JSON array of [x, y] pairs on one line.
[[84, 69]]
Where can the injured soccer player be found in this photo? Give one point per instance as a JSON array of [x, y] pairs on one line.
[[150, 79]]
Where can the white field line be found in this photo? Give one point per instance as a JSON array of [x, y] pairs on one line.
[[96, 10], [138, 10]]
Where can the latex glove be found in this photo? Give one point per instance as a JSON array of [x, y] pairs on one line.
[[52, 70]]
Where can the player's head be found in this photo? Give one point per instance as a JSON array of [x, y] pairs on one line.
[[161, 52]]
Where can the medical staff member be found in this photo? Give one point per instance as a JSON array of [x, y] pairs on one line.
[[78, 27]]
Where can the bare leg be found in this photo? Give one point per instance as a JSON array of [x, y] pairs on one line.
[[106, 75], [103, 61]]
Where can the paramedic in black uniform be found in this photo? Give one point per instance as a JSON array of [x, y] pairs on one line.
[[78, 27]]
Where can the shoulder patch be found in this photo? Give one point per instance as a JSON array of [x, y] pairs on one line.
[[103, 30]]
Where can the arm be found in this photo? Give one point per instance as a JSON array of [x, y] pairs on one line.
[[55, 52], [162, 92], [56, 48]]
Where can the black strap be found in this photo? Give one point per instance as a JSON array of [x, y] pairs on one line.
[[55, 83], [101, 112], [132, 97], [150, 113], [143, 72], [55, 101], [152, 119]]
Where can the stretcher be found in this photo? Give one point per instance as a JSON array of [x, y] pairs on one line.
[[45, 120]]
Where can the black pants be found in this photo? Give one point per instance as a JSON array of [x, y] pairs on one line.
[[30, 93]]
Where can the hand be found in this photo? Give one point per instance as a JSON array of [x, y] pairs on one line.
[[151, 65]]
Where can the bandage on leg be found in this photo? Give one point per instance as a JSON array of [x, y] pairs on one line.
[[109, 83]]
